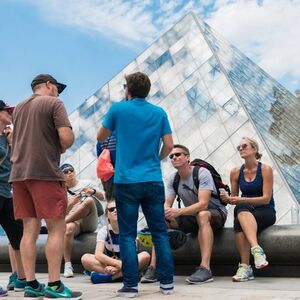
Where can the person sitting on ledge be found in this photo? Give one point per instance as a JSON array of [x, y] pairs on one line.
[[105, 265], [82, 214], [254, 209], [202, 215]]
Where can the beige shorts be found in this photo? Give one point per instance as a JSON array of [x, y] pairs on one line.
[[87, 224]]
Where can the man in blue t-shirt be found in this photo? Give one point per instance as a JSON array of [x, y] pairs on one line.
[[140, 127]]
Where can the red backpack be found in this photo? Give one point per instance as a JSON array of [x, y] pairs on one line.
[[199, 163]]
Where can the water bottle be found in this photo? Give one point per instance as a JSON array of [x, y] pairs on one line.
[[295, 214]]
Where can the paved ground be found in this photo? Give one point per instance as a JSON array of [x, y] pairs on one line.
[[221, 288]]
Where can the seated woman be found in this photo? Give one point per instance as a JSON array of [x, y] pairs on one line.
[[254, 209], [105, 265]]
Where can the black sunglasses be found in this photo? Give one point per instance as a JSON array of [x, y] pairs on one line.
[[111, 209], [177, 154], [68, 170], [242, 147]]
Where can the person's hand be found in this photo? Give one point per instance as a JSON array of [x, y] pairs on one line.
[[171, 213], [111, 270], [8, 133], [234, 200], [224, 197], [88, 190]]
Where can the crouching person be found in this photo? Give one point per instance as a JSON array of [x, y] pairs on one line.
[[202, 215], [105, 265]]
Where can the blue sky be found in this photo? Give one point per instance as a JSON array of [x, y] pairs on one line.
[[84, 43]]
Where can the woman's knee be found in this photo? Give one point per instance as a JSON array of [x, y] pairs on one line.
[[70, 229]]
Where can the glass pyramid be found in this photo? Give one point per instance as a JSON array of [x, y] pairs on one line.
[[214, 95]]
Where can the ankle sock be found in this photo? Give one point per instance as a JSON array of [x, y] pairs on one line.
[[33, 283], [55, 285]]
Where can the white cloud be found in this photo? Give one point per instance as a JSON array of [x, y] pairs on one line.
[[266, 30]]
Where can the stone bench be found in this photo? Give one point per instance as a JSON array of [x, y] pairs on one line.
[[281, 244]]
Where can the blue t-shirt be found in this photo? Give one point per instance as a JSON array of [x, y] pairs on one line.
[[139, 126], [5, 167]]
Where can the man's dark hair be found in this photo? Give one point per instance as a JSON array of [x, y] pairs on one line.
[[138, 85], [184, 148]]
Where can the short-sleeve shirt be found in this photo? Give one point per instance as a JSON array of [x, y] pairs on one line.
[[5, 188], [36, 147], [102, 236], [188, 192], [139, 127]]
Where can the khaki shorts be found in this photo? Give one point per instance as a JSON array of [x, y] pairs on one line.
[[39, 199], [87, 224]]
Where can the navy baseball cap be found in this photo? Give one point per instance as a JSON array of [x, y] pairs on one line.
[[43, 78]]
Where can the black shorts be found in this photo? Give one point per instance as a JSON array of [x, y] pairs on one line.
[[189, 224], [13, 228], [265, 216]]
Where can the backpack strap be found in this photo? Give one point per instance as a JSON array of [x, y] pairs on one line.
[[196, 176], [175, 187]]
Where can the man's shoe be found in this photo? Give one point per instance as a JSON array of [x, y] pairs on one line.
[[167, 289], [177, 238], [244, 273], [259, 257], [127, 292], [202, 275], [68, 271], [20, 285], [30, 293], [61, 293], [11, 281], [3, 292], [150, 276]]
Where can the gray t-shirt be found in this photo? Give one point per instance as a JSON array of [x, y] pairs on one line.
[[188, 192]]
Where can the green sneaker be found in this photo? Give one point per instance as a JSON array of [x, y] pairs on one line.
[[38, 293], [244, 273], [11, 281], [61, 293], [20, 285]]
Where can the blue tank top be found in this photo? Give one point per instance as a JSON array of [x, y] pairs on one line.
[[254, 188]]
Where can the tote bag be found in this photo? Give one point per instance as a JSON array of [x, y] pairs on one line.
[[105, 169]]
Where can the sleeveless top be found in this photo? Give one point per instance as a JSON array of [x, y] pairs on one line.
[[254, 188]]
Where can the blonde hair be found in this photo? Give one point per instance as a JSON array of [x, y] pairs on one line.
[[254, 145]]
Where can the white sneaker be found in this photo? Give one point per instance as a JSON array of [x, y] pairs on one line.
[[259, 257], [244, 273], [68, 271]]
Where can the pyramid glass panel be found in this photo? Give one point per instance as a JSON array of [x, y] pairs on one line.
[[214, 95]]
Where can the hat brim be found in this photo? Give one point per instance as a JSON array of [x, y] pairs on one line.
[[60, 87]]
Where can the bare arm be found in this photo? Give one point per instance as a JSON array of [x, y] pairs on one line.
[[66, 138], [167, 140], [102, 134], [104, 259]]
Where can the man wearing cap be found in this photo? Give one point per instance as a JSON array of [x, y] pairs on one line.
[[42, 132], [82, 211], [13, 228]]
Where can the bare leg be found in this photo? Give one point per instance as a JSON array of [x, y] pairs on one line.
[[249, 226], [69, 240], [12, 259], [54, 247], [28, 246], [243, 247], [91, 264], [205, 237], [19, 265], [144, 259], [82, 211]]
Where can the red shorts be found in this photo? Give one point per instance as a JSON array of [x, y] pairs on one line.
[[39, 199]]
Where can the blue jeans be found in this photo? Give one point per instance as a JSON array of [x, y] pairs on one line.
[[150, 195]]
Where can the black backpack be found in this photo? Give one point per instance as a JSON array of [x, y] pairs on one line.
[[199, 163]]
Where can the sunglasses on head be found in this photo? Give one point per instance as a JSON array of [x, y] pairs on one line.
[[242, 147], [68, 170], [111, 209], [177, 154]]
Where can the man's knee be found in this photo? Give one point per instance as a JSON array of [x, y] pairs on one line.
[[203, 218], [70, 229]]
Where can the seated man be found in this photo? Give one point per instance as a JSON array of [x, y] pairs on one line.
[[202, 213], [82, 215]]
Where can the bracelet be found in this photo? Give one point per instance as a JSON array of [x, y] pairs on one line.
[[94, 192]]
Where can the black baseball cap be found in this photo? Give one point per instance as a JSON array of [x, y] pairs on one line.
[[66, 166], [4, 105], [43, 78]]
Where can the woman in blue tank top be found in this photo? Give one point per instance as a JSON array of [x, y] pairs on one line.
[[254, 209]]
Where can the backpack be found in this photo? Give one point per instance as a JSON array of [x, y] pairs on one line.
[[199, 163]]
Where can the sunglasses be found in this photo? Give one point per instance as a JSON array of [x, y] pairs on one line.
[[67, 171], [242, 147], [111, 209], [177, 154]]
